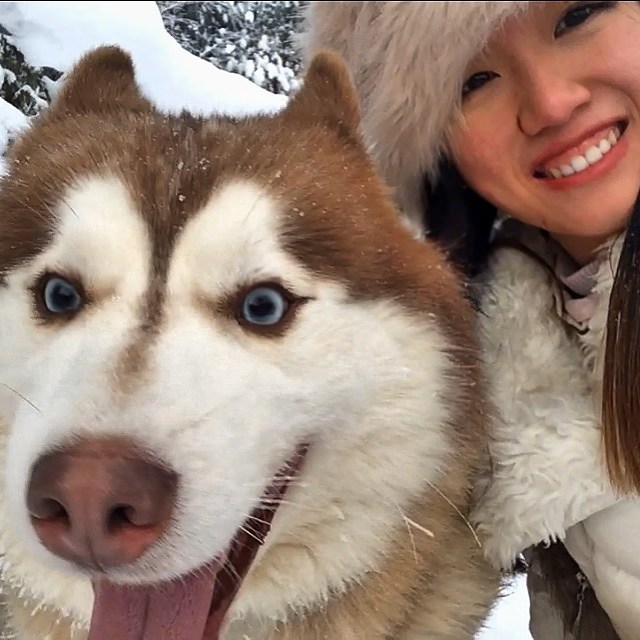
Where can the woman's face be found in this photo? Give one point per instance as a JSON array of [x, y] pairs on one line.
[[550, 131]]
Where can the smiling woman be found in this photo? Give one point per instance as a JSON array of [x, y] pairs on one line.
[[528, 114], [566, 156]]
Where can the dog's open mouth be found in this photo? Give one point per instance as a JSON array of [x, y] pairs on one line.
[[191, 607]]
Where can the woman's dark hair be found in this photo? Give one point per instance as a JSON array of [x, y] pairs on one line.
[[461, 222], [621, 381], [458, 220]]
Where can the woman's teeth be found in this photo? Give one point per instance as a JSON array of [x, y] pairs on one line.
[[592, 155]]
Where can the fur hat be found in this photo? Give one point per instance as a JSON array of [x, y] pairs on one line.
[[408, 61]]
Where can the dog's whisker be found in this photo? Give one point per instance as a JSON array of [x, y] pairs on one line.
[[411, 538], [296, 536], [21, 396], [73, 211], [277, 480], [276, 502], [255, 529], [465, 520], [265, 522], [250, 533], [230, 570], [417, 526]]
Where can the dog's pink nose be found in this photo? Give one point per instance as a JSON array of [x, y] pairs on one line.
[[100, 503]]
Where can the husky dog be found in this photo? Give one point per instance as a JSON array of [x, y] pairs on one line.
[[207, 323]]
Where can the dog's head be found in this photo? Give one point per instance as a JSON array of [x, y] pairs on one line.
[[190, 307]]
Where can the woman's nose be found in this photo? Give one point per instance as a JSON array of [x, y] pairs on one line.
[[549, 98]]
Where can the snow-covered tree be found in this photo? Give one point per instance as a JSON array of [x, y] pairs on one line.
[[253, 39], [23, 86]]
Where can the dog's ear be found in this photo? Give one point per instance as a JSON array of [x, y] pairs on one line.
[[327, 95], [102, 81]]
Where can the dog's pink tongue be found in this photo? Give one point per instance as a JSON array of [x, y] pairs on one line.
[[178, 610]]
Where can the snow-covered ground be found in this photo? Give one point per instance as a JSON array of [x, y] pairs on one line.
[[510, 617], [56, 34]]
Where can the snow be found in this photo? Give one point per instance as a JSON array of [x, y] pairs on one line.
[[56, 34], [11, 121], [510, 617]]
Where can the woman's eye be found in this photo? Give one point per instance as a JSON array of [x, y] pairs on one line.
[[579, 13], [476, 81]]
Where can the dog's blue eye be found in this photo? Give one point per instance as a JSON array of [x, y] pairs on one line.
[[60, 296], [264, 306]]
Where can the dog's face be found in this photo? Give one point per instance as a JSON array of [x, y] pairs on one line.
[[188, 307]]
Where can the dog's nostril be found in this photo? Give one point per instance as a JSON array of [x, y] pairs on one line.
[[122, 516], [49, 509], [54, 510]]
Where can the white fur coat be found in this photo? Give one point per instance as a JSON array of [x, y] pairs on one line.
[[548, 478]]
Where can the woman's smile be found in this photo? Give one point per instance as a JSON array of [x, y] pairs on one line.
[[591, 160]]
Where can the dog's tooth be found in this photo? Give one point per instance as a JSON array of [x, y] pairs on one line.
[[567, 170]]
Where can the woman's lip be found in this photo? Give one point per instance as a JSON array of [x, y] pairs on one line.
[[592, 172], [564, 145]]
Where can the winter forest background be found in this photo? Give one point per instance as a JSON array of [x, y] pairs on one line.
[[253, 66], [253, 39]]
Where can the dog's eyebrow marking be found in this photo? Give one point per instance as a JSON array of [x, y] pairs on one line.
[[232, 240], [168, 190]]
